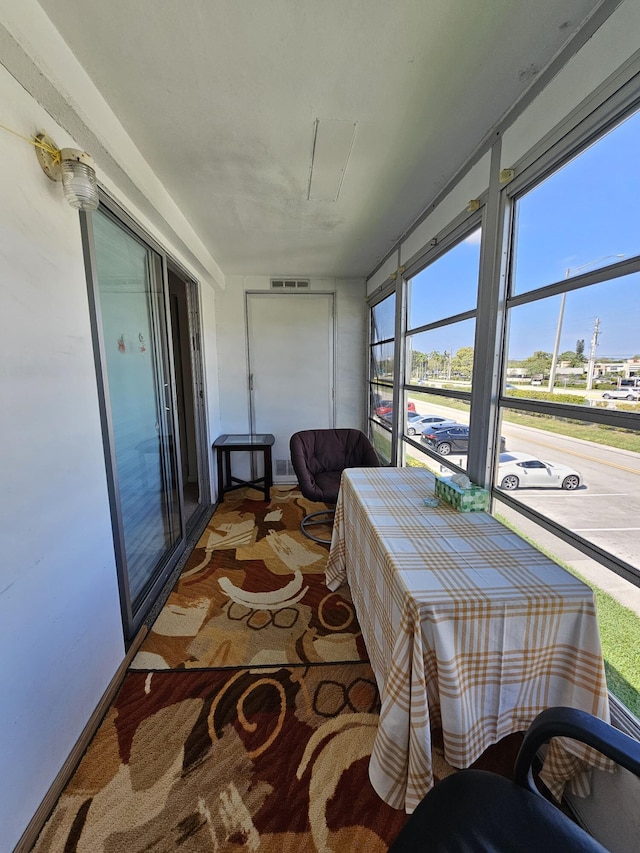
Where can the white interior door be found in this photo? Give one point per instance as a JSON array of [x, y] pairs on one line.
[[290, 337]]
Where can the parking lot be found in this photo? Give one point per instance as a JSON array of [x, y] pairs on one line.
[[605, 509]]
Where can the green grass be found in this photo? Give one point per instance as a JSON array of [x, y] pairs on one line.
[[435, 400], [382, 444], [597, 433], [619, 632], [412, 462]]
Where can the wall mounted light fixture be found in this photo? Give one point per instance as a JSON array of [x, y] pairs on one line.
[[73, 167]]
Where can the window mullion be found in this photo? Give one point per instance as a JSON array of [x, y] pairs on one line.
[[489, 332]]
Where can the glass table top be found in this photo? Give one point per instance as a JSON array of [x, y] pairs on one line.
[[256, 438]]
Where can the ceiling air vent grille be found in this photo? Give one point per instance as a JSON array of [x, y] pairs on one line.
[[289, 284]]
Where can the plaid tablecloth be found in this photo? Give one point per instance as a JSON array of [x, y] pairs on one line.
[[467, 626]]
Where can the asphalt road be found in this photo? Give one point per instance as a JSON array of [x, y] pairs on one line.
[[605, 509]]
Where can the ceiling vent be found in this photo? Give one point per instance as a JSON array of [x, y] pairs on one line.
[[289, 284]]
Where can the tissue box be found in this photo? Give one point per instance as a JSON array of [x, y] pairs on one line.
[[473, 499]]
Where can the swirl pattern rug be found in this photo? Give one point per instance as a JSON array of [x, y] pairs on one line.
[[253, 593], [217, 761], [247, 721]]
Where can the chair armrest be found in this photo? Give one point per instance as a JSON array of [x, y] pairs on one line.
[[583, 727]]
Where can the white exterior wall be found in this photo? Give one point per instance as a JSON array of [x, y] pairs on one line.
[[471, 186], [231, 336], [60, 626], [208, 309], [612, 45], [60, 623], [615, 43], [351, 355], [387, 269]]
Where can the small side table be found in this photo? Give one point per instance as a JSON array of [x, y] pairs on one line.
[[224, 445]]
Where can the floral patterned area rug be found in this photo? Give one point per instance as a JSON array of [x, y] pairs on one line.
[[253, 594], [247, 720], [218, 761]]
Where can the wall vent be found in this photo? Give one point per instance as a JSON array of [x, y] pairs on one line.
[[290, 284], [284, 468]]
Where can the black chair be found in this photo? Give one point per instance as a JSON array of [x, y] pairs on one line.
[[319, 456], [474, 811]]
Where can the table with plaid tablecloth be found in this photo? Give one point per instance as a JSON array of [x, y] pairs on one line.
[[467, 626]]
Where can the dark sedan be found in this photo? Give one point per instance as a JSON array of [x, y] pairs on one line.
[[452, 439]]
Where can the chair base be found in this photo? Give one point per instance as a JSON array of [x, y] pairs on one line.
[[314, 518]]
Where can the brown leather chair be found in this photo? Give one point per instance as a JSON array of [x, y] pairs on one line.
[[319, 456]]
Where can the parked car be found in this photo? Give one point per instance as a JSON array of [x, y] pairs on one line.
[[418, 423], [519, 470], [453, 438], [622, 394], [385, 407]]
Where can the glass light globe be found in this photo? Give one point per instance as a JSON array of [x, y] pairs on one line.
[[78, 179]]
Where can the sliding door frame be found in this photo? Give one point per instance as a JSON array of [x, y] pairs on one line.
[[132, 621]]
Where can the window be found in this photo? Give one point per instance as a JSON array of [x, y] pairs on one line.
[[448, 286], [564, 338], [441, 307], [581, 345], [154, 447], [383, 319], [573, 340], [585, 216], [381, 374]]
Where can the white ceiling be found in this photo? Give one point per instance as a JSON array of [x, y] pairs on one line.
[[221, 97]]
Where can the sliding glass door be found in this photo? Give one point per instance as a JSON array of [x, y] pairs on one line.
[[132, 331]]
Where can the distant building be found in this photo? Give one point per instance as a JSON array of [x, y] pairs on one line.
[[565, 370], [631, 368]]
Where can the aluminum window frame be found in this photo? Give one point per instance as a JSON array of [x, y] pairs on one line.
[[386, 290], [588, 124], [610, 103], [446, 241]]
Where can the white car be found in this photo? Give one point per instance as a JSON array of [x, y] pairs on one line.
[[418, 423], [622, 394], [519, 470]]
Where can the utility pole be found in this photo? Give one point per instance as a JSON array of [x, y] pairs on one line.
[[556, 347], [592, 354]]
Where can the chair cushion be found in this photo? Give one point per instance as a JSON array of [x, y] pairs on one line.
[[320, 456], [329, 484], [474, 811]]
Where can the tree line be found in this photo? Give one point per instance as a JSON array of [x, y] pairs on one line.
[[459, 365], [445, 364]]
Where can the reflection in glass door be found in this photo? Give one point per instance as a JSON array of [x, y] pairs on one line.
[[130, 303]]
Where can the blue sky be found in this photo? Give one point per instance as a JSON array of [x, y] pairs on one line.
[[583, 216]]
